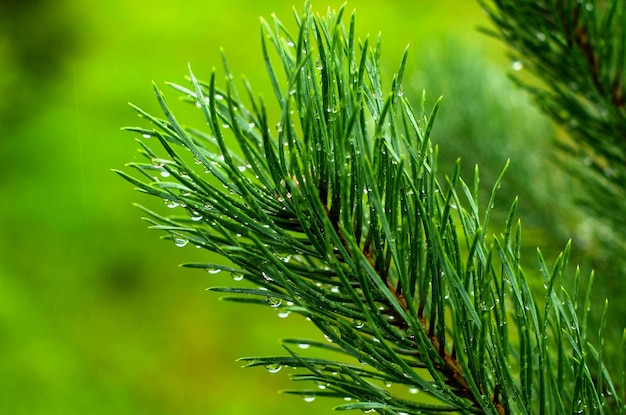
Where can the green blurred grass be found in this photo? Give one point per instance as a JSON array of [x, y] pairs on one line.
[[95, 317]]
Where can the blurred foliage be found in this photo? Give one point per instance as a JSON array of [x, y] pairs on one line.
[[37, 39], [87, 323]]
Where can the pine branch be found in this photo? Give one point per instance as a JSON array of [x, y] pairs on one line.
[[337, 214], [576, 50]]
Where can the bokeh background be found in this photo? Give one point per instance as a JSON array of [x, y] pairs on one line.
[[95, 315]]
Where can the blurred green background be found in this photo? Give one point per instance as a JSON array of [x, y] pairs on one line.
[[95, 315]]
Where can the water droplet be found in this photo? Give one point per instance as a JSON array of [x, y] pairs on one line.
[[283, 313], [308, 398], [273, 367], [146, 135], [237, 276], [195, 216], [321, 385], [284, 257], [171, 203], [304, 345], [241, 168], [274, 302], [358, 324], [219, 97], [517, 65], [413, 391], [180, 242], [213, 270], [291, 44], [165, 173], [541, 37]]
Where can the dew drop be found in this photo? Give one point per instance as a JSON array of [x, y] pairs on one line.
[[273, 367], [146, 135], [274, 302], [308, 398], [517, 65], [237, 276], [291, 44], [358, 324], [171, 203], [304, 345], [283, 313], [413, 391], [284, 257], [213, 270], [180, 242]]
